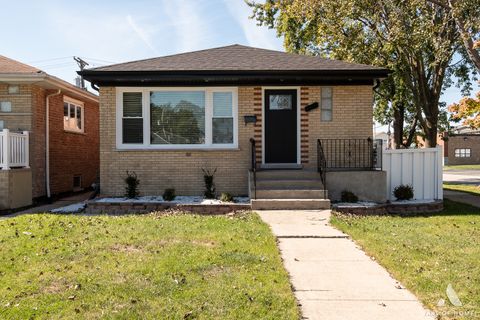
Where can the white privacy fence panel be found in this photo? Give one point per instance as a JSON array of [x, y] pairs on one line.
[[14, 150], [420, 168]]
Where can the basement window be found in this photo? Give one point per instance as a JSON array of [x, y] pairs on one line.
[[77, 183], [72, 115]]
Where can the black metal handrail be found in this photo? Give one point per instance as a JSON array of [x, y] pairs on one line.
[[254, 166], [322, 167], [352, 154]]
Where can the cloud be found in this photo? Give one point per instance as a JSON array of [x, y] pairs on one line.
[[188, 23], [256, 36], [141, 33]]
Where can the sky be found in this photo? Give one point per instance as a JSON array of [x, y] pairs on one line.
[[48, 33]]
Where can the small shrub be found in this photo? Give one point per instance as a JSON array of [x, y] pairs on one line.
[[348, 196], [226, 197], [169, 194], [208, 176], [131, 190], [403, 192]]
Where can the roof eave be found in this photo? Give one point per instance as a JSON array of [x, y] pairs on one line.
[[227, 77]]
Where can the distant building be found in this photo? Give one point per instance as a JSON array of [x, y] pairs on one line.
[[462, 146]]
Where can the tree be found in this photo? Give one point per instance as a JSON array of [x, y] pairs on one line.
[[467, 109], [416, 39]]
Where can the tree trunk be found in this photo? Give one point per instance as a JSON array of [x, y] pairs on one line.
[[398, 119]]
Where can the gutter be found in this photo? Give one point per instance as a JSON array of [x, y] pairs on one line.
[[47, 141]]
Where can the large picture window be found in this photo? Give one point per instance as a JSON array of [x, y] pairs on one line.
[[176, 118]]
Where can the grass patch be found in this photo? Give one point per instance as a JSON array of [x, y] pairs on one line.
[[426, 253], [142, 266], [468, 188], [462, 167]]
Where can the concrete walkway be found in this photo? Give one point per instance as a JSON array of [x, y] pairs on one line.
[[462, 197], [332, 278], [80, 197]]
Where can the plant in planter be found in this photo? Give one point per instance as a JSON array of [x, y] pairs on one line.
[[348, 196], [131, 190], [208, 176], [169, 194], [403, 192], [226, 197]]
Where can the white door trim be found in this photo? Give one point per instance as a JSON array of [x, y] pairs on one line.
[[298, 121]]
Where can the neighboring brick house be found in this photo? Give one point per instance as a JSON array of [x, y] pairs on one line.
[[72, 127], [167, 118], [462, 146]]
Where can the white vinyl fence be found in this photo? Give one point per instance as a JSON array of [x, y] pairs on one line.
[[13, 150], [420, 168]]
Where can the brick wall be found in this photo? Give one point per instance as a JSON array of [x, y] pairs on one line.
[[71, 153], [160, 169], [463, 142]]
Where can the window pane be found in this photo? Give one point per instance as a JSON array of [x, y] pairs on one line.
[[132, 104], [132, 130], [222, 130], [2, 124], [222, 104], [177, 117], [72, 111], [327, 104], [5, 106], [326, 93], [79, 118], [280, 102], [326, 115], [65, 110]]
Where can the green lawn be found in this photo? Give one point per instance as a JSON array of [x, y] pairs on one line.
[[142, 266], [468, 188], [462, 167], [426, 253]]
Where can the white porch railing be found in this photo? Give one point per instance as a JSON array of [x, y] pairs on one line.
[[14, 150]]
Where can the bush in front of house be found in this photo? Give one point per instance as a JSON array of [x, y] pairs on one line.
[[348, 196], [403, 192], [226, 197], [208, 179], [131, 190], [169, 194]]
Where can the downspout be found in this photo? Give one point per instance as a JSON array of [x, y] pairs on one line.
[[47, 142]]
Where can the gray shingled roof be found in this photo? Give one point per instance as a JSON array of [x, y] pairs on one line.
[[236, 57]]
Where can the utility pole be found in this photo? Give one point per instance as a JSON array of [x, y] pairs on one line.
[[82, 64]]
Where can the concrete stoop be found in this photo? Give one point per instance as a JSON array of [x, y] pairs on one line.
[[288, 190]]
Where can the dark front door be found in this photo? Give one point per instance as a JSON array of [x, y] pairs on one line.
[[280, 126]]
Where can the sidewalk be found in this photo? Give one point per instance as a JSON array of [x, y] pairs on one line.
[[332, 278], [462, 197]]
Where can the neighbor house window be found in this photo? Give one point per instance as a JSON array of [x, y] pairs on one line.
[[463, 153], [5, 106], [72, 115], [177, 118], [326, 104], [2, 124], [13, 89]]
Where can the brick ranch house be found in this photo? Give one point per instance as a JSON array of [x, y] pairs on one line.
[[30, 169], [280, 127]]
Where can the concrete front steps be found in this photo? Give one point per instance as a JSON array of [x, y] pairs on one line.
[[288, 189]]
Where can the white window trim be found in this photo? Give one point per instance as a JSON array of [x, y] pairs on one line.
[[146, 119], [77, 103]]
